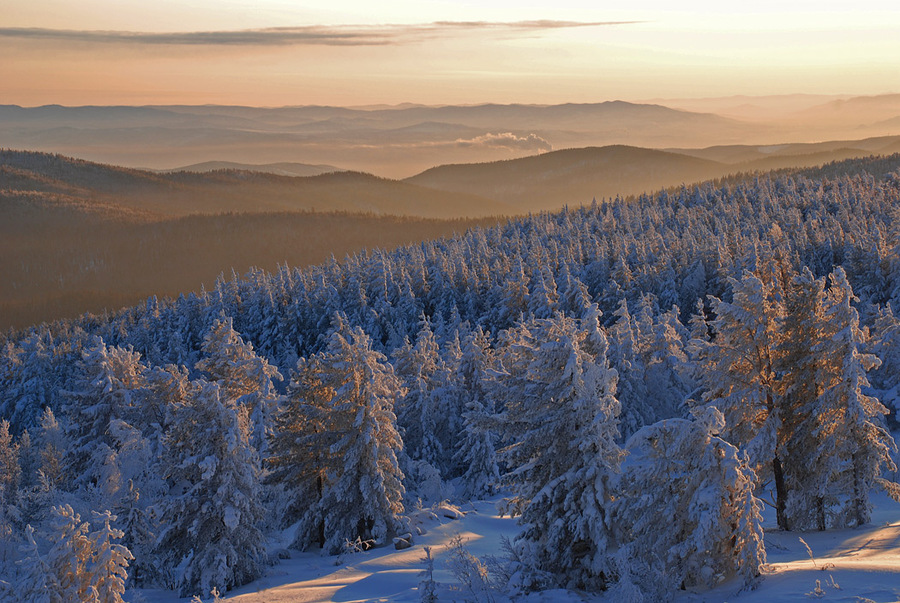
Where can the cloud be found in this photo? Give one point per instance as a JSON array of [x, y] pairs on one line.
[[328, 35], [507, 140]]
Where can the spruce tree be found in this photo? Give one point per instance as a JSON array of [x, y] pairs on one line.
[[560, 425], [363, 491], [741, 378], [684, 512], [243, 376], [209, 533]]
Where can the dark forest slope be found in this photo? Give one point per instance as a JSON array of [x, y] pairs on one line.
[[185, 193], [571, 176]]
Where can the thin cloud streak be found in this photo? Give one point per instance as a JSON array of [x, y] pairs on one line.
[[324, 35]]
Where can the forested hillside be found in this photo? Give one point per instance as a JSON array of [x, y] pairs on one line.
[[638, 376], [80, 237]]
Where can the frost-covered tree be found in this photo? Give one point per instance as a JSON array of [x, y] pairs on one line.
[[885, 343], [684, 509], [631, 389], [10, 512], [300, 458], [477, 451], [363, 492], [70, 556], [808, 447], [10, 468], [99, 404], [35, 581], [560, 425], [109, 561], [243, 376], [80, 565], [52, 446], [741, 378], [665, 365], [423, 411], [209, 535], [862, 450]]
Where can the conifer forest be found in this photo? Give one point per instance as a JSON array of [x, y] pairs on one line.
[[638, 381]]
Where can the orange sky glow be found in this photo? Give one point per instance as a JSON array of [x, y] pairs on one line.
[[279, 52]]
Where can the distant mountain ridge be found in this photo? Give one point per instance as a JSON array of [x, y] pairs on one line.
[[394, 141], [279, 169]]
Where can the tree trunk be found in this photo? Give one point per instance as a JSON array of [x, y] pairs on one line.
[[820, 513], [780, 495]]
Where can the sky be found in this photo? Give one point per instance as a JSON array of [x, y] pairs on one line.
[[349, 52]]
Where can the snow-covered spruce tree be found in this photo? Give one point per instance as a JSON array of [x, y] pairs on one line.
[[885, 343], [80, 566], [10, 513], [560, 425], [863, 446], [10, 468], [808, 448], [631, 388], [684, 509], [741, 378], [363, 491], [70, 556], [109, 561], [52, 444], [477, 452], [421, 412], [300, 458], [665, 365], [35, 582], [243, 376], [102, 393], [208, 533]]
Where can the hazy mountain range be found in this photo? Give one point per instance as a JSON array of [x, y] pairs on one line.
[[400, 141]]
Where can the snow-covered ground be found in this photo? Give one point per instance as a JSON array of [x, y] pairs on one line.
[[859, 565]]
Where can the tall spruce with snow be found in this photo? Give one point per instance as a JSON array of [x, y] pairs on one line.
[[10, 469], [10, 512], [477, 451], [300, 457], [684, 509], [741, 378], [560, 425], [51, 444], [422, 412], [666, 364], [35, 581], [243, 376], [208, 534], [885, 343], [631, 388], [97, 408], [80, 565], [863, 447], [109, 561], [801, 365], [363, 491], [69, 557]]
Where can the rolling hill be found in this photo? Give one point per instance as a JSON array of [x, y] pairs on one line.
[[571, 176], [186, 193]]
